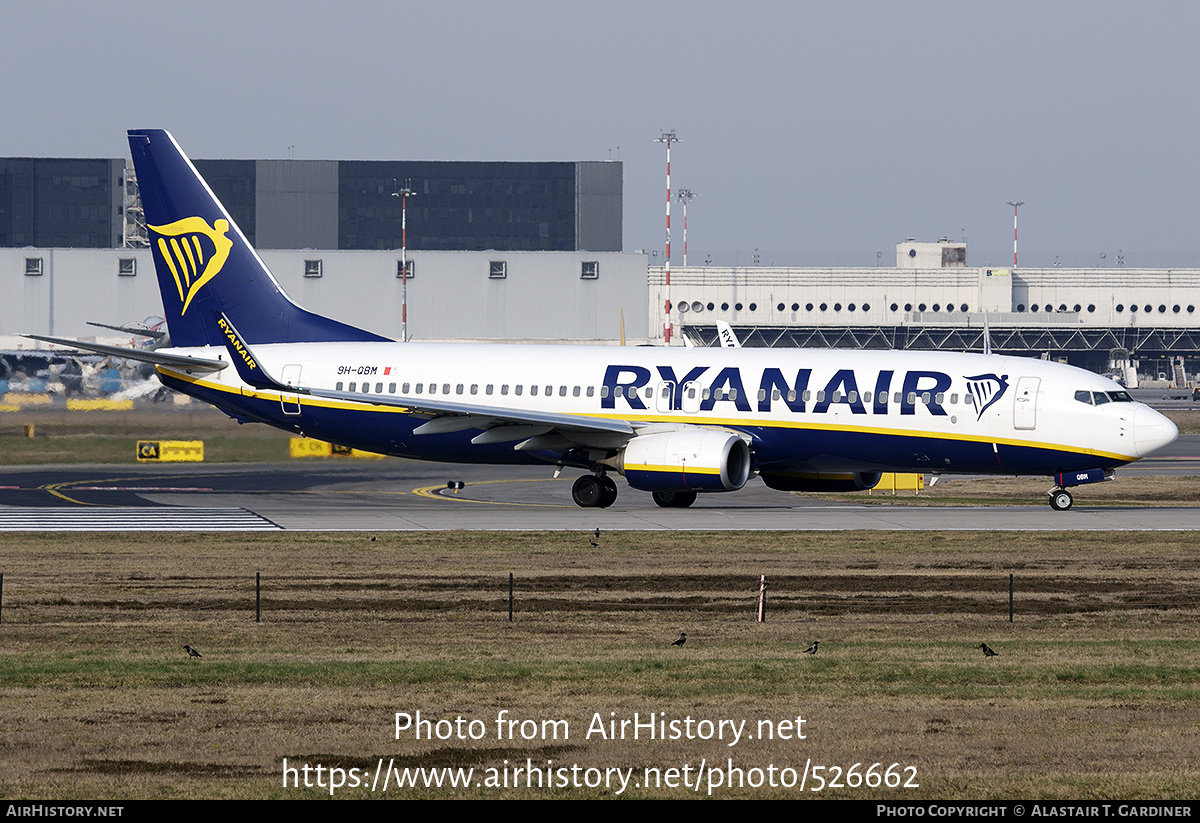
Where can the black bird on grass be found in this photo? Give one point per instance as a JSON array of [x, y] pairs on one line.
[[813, 648], [682, 639], [192, 652], [987, 652]]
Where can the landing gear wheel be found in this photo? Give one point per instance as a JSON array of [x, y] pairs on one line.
[[609, 493], [674, 500], [588, 491], [1060, 500]]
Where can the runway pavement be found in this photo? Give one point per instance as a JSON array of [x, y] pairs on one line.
[[407, 495]]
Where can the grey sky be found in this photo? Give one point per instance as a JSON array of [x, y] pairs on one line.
[[815, 132]]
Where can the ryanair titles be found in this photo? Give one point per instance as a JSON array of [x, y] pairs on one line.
[[235, 343], [913, 388]]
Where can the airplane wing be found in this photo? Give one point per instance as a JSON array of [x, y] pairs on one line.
[[176, 361], [536, 430]]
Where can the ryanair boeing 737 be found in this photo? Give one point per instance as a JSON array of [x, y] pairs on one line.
[[671, 421]]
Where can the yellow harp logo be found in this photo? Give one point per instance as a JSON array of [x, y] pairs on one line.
[[192, 261]]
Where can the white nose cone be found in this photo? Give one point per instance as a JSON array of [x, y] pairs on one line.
[[1151, 431]]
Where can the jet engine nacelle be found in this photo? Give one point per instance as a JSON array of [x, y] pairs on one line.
[[822, 481], [695, 460]]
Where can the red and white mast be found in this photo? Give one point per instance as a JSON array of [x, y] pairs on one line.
[[668, 137], [1014, 204]]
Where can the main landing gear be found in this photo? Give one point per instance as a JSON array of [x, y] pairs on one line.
[[674, 500], [594, 491]]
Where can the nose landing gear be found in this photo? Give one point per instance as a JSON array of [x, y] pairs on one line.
[[1060, 500]]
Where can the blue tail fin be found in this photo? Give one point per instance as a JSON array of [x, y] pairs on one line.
[[205, 265]]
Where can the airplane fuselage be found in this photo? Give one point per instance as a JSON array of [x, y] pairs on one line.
[[801, 411]]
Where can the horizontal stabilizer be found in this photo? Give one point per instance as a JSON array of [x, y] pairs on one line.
[[140, 331], [175, 361]]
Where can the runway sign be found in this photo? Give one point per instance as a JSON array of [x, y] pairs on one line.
[[307, 447], [170, 451]]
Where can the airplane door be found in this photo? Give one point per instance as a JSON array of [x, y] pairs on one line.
[[666, 398], [1025, 403], [291, 377]]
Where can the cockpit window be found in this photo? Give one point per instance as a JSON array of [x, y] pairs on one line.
[[1101, 398], [1084, 397], [1120, 397]]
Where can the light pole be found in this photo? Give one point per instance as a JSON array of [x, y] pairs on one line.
[[684, 196], [1014, 204], [668, 137], [404, 194]]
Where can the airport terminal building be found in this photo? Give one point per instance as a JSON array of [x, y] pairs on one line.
[[532, 251]]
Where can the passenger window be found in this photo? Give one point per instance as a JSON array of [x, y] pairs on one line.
[[618, 391], [648, 393], [404, 389], [852, 397], [953, 399], [520, 387], [432, 388], [774, 394], [391, 388], [866, 397], [504, 388], [939, 398], [807, 396], [762, 394], [791, 395], [562, 391], [338, 387], [458, 389], [533, 391], [575, 392], [379, 388], [445, 388], [488, 390], [925, 397], [474, 388], [912, 398], [837, 397], [705, 393], [821, 396], [354, 386], [603, 391], [590, 390], [896, 398]]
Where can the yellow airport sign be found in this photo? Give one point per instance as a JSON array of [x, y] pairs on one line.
[[170, 451], [307, 447]]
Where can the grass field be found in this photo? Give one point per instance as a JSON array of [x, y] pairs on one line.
[[1095, 692]]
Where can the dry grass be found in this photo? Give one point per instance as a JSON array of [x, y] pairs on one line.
[[1096, 692]]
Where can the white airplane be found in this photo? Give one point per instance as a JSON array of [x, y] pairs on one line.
[[672, 421]]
